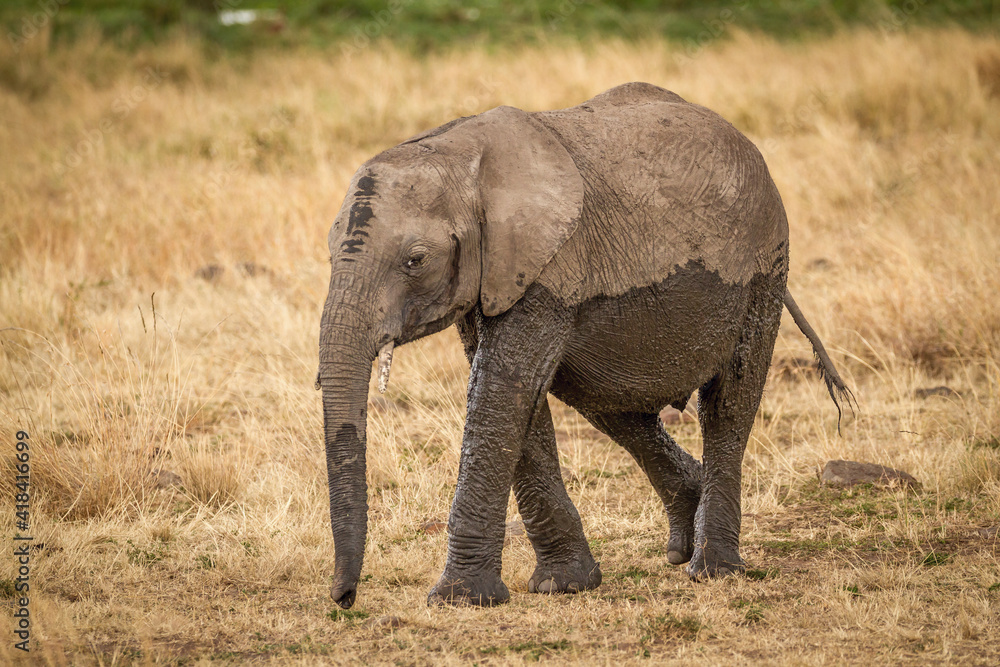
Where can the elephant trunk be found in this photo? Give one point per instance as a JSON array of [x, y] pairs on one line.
[[344, 372]]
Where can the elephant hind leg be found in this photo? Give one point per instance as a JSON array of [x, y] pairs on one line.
[[727, 405], [674, 474], [551, 521]]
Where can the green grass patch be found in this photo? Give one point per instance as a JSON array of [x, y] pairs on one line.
[[634, 574], [753, 612], [787, 547], [145, 556], [423, 24], [531, 650], [669, 626], [864, 508], [853, 590], [935, 558], [306, 646], [955, 504], [760, 575], [349, 615], [991, 442]]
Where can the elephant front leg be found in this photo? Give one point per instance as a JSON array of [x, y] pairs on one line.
[[511, 373], [564, 561]]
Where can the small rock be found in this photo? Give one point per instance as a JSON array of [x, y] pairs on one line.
[[433, 527], [165, 479], [385, 622], [210, 272], [819, 264], [927, 392], [850, 473]]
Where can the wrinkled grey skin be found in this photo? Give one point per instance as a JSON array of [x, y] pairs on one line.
[[619, 254]]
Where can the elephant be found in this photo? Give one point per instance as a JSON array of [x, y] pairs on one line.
[[620, 255]]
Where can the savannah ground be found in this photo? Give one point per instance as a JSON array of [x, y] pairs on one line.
[[163, 263]]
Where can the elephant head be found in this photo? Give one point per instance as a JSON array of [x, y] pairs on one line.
[[463, 215]]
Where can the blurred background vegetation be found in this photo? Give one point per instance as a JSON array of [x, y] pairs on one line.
[[426, 24]]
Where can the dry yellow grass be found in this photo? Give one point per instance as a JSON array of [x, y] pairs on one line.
[[126, 176]]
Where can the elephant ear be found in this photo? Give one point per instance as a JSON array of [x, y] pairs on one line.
[[433, 132], [531, 198]]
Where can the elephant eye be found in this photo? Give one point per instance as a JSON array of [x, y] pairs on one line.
[[414, 262]]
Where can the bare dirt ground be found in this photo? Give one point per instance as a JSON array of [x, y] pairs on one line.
[[162, 269]]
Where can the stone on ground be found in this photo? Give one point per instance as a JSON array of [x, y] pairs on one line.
[[851, 473]]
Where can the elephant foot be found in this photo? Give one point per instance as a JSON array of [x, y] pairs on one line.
[[680, 546], [710, 563], [480, 590], [580, 575]]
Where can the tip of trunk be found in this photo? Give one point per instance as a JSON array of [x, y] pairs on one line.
[[344, 596]]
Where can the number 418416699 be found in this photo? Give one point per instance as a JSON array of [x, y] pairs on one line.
[[21, 481]]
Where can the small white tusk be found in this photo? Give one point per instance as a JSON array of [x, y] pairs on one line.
[[384, 364]]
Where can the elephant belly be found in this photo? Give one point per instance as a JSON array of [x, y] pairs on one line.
[[653, 345]]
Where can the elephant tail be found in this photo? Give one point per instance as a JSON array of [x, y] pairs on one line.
[[839, 391]]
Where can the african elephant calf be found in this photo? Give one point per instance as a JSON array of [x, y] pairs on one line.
[[619, 254]]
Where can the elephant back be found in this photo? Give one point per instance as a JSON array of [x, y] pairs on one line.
[[667, 183]]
